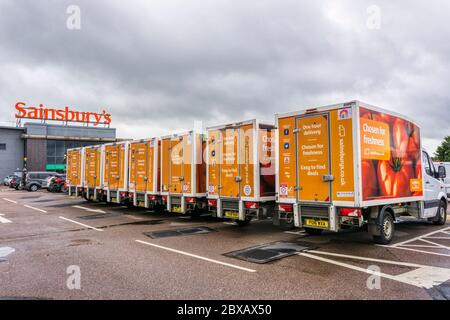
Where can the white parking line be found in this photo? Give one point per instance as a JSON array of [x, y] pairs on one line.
[[132, 217], [6, 251], [423, 276], [399, 263], [297, 233], [196, 256], [435, 244], [421, 251], [417, 238], [418, 246], [439, 238], [89, 209], [407, 244], [4, 220], [9, 200], [81, 224], [349, 266], [36, 209]]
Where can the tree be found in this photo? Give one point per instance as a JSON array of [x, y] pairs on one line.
[[443, 151]]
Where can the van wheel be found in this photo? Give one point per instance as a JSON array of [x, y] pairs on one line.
[[312, 231], [33, 188], [195, 214], [242, 223], [441, 216], [386, 229], [287, 223]]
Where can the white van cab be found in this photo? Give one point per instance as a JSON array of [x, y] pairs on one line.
[[446, 180]]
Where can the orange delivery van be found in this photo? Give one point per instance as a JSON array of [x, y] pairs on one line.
[[75, 171], [93, 169], [144, 173], [352, 164], [183, 172], [115, 172], [241, 170]]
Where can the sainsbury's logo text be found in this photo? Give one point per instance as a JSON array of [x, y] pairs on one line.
[[65, 114]]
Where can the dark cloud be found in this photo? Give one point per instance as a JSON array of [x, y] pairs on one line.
[[158, 66]]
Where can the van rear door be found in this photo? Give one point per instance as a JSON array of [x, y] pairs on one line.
[[112, 165], [229, 163], [141, 166], [313, 159], [176, 165]]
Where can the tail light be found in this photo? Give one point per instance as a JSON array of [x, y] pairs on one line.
[[123, 194], [191, 200], [152, 198], [350, 212], [212, 202], [286, 207], [251, 205], [164, 198], [130, 195]]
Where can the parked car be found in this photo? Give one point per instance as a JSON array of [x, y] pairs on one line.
[[8, 179], [37, 180]]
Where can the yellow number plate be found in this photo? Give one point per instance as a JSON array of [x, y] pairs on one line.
[[113, 199], [176, 209], [232, 214], [316, 223]]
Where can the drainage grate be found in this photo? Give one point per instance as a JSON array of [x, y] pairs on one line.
[[101, 216], [268, 252], [64, 205], [440, 292], [44, 200], [178, 232]]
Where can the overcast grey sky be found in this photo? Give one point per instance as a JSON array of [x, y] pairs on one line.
[[158, 65]]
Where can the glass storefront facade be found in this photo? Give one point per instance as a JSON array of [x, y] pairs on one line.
[[56, 150]]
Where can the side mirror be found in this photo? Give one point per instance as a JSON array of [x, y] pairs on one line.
[[442, 172]]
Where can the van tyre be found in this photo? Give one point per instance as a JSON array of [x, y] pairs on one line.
[[243, 223], [386, 229], [441, 216], [313, 231], [287, 222], [195, 214], [33, 188]]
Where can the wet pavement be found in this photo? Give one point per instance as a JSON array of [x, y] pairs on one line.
[[48, 239]]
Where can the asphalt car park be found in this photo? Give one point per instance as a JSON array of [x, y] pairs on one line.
[[134, 253]]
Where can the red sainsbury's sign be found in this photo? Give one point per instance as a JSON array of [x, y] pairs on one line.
[[65, 114]]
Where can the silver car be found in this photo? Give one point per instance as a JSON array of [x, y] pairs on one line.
[[37, 180]]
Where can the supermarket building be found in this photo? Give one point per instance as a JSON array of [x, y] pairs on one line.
[[41, 143]]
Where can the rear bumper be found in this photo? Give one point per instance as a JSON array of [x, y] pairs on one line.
[[236, 209], [183, 203], [322, 216], [316, 216], [144, 199], [94, 193]]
